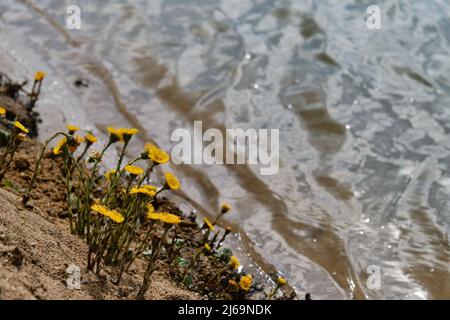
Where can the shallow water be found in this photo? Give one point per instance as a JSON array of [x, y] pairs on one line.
[[364, 118]]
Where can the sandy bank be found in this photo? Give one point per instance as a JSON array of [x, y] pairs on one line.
[[35, 253]]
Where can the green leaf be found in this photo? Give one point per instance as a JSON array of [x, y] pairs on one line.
[[187, 280], [182, 262]]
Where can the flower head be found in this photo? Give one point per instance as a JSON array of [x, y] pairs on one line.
[[246, 282], [133, 170], [155, 154], [90, 138], [150, 208], [225, 208], [20, 126], [164, 217], [142, 190], [127, 133], [114, 135], [59, 146], [149, 187], [281, 281], [109, 174], [2, 111], [72, 129], [75, 142], [39, 76], [234, 263], [112, 214], [172, 181], [208, 224], [207, 247], [121, 134]]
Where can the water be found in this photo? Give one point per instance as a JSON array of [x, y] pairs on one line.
[[364, 118]]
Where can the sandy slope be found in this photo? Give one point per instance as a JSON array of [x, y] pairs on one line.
[[35, 253]]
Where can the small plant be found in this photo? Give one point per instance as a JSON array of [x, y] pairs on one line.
[[14, 137]]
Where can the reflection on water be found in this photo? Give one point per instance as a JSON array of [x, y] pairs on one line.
[[364, 117]]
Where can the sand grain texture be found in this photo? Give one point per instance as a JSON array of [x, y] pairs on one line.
[[35, 253]]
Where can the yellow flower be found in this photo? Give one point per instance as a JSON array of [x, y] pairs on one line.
[[2, 111], [121, 134], [155, 154], [127, 133], [90, 138], [207, 247], [133, 170], [281, 281], [150, 208], [112, 214], [78, 139], [20, 126], [172, 181], [59, 146], [149, 187], [234, 262], [39, 76], [109, 174], [208, 223], [246, 282], [141, 190], [75, 142], [164, 217], [72, 129], [114, 135], [225, 208]]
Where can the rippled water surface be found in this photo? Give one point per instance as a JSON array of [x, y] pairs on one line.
[[364, 120]]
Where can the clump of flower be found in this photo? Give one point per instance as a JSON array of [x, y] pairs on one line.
[[120, 216], [16, 135], [36, 89]]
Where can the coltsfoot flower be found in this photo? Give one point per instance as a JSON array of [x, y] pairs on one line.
[[121, 134], [142, 190], [208, 224], [155, 154], [109, 174], [164, 217], [225, 208], [112, 214], [133, 170], [172, 181], [246, 282], [2, 111], [75, 142], [281, 281], [59, 146], [72, 128], [127, 133], [234, 263], [114, 135], [149, 187], [90, 138], [150, 208], [39, 76], [20, 126]]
